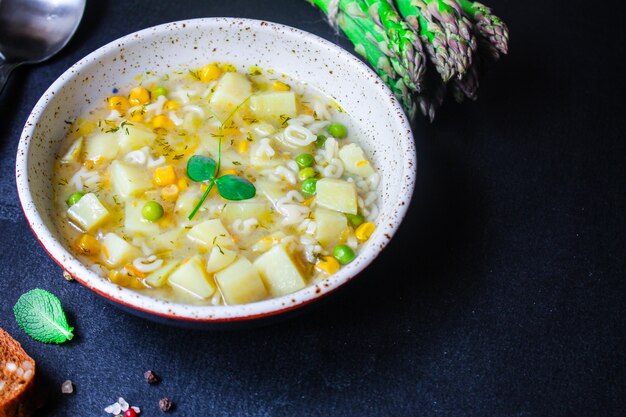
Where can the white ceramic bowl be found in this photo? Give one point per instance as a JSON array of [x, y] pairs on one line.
[[387, 138]]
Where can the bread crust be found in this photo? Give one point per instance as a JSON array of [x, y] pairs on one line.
[[27, 398]]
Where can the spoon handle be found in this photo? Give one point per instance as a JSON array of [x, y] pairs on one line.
[[5, 72]]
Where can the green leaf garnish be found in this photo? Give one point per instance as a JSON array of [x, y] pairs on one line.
[[232, 187], [201, 168], [204, 169], [40, 314]]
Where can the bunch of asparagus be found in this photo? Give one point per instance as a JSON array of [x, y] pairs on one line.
[[422, 48]]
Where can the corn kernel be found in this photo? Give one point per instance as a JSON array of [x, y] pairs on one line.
[[84, 128], [228, 172], [182, 184], [136, 116], [118, 103], [171, 105], [170, 192], [87, 245], [162, 122], [119, 278], [242, 146], [164, 176], [138, 95], [280, 86], [327, 265], [364, 231], [231, 131], [209, 73]]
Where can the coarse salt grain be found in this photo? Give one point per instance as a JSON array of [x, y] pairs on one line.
[[114, 409], [123, 403], [67, 387], [11, 367]]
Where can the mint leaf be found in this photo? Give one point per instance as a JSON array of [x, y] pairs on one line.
[[40, 314], [201, 168], [232, 187]]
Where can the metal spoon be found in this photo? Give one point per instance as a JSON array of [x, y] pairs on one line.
[[31, 31]]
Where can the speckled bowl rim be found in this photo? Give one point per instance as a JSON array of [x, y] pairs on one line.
[[213, 314]]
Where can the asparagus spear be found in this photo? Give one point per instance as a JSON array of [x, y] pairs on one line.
[[378, 60], [357, 11], [489, 25], [402, 40], [460, 38], [432, 35]]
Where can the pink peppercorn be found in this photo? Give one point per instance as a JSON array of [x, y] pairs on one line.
[[130, 413]]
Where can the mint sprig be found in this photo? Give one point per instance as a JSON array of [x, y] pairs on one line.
[[40, 314]]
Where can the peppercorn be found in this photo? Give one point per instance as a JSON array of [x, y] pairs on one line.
[[151, 377], [165, 404]]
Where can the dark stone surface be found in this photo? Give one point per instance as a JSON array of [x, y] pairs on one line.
[[509, 299]]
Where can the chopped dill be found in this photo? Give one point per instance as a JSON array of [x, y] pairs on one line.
[[283, 120], [194, 74]]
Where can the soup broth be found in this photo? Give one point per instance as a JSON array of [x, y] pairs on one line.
[[215, 186]]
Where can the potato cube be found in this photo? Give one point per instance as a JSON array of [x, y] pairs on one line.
[[271, 106], [101, 146], [240, 283], [186, 203], [354, 160], [220, 258], [73, 153], [88, 212], [134, 221], [231, 90], [210, 233], [273, 191], [244, 210], [169, 240], [329, 226], [117, 251], [278, 271], [337, 195], [190, 278], [128, 180], [159, 277], [131, 137]]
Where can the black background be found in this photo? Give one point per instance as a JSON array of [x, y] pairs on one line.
[[509, 294]]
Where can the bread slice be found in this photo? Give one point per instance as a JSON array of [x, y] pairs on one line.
[[18, 391]]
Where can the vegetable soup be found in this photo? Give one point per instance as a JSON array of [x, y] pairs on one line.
[[215, 186]]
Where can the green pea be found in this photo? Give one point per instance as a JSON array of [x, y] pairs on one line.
[[344, 254], [309, 186], [337, 130], [159, 91], [73, 199], [355, 219], [305, 160], [305, 173], [152, 211], [320, 141]]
